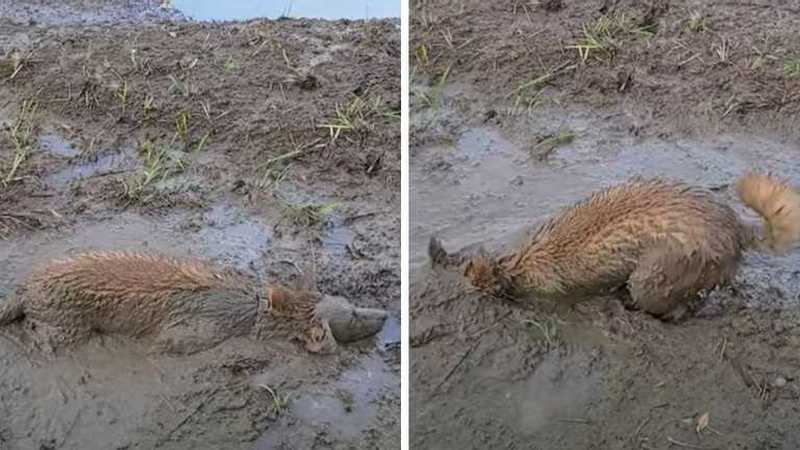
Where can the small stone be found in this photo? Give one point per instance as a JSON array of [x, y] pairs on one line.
[[779, 382]]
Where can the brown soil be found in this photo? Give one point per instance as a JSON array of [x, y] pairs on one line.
[[690, 63], [210, 140], [497, 149]]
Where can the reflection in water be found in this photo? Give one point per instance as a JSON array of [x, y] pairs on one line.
[[273, 9]]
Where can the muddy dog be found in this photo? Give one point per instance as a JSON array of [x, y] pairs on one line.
[[662, 241], [183, 306]]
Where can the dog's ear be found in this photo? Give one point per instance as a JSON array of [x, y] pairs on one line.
[[469, 268], [437, 253]]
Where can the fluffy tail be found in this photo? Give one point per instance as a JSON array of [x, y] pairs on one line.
[[778, 204], [11, 310]]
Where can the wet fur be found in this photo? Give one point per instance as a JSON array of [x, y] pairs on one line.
[[183, 305], [665, 241]]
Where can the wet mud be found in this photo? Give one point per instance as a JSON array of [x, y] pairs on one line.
[[487, 167], [216, 141]]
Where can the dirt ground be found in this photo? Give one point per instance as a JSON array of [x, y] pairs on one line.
[[510, 124], [272, 146]]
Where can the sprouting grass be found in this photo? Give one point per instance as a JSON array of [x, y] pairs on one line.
[[203, 141], [21, 135], [547, 327], [178, 87], [697, 22], [546, 144], [422, 56], [182, 128], [791, 67], [758, 62], [307, 214], [122, 93], [272, 178], [149, 105], [160, 162], [561, 138], [528, 94], [605, 35], [352, 116], [392, 113], [279, 402], [11, 67], [230, 65], [433, 97]]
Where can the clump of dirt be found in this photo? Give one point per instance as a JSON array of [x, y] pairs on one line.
[[510, 123], [268, 146]]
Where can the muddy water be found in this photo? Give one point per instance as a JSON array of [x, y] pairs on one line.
[[488, 185], [348, 407], [246, 9], [114, 387], [487, 375]]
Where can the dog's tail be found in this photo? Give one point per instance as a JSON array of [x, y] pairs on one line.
[[11, 309], [778, 204]]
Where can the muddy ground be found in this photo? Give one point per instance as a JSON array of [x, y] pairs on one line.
[[509, 125], [271, 146]]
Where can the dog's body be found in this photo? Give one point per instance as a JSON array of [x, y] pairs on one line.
[[664, 241], [183, 305]]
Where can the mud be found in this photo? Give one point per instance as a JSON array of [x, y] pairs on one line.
[[86, 12], [491, 374], [231, 118]]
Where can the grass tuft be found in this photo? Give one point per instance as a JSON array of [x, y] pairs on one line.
[[122, 93], [697, 22], [279, 402], [433, 98], [548, 328], [307, 214], [182, 128], [548, 143], [605, 35], [791, 67], [21, 135], [160, 163], [354, 116]]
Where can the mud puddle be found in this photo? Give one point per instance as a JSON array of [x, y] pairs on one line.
[[245, 9], [489, 374], [93, 388], [346, 408], [490, 184]]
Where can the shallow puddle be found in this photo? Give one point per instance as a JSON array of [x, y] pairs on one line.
[[486, 188], [107, 164], [346, 406], [390, 335], [55, 144], [247, 9], [233, 238], [338, 237]]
